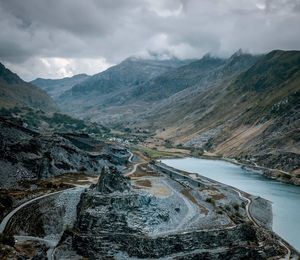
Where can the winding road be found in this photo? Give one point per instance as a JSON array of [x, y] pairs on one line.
[[50, 243], [249, 201], [7, 218], [134, 166], [19, 238], [191, 209]]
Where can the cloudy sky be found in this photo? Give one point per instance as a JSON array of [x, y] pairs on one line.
[[57, 38]]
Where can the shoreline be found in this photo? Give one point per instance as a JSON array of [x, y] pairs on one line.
[[266, 172], [252, 204], [270, 173]]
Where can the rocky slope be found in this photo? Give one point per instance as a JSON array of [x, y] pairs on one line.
[[55, 87], [117, 221], [173, 81], [43, 122], [34, 164], [253, 116], [29, 155], [16, 92]]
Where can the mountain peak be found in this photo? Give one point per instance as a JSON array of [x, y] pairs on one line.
[[240, 52]]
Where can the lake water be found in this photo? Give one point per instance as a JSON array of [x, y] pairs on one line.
[[285, 198]]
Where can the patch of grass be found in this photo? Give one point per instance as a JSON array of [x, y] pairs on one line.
[[155, 154], [143, 173], [187, 193]]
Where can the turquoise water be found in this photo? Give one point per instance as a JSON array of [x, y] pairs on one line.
[[285, 198]]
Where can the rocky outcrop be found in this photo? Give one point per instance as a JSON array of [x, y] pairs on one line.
[[110, 181]]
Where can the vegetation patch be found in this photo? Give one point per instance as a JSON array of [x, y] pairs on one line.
[[154, 154]]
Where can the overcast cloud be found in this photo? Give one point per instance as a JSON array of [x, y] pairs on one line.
[[57, 38]]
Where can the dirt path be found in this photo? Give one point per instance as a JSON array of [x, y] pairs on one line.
[[249, 201], [134, 166], [192, 210]]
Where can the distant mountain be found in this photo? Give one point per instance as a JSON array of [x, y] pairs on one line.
[[178, 79], [130, 72], [201, 73], [113, 86], [55, 87], [16, 92], [131, 88], [204, 86]]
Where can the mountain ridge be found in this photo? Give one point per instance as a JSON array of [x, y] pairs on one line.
[[16, 92], [113, 86]]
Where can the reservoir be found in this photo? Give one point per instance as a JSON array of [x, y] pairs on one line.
[[285, 198]]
